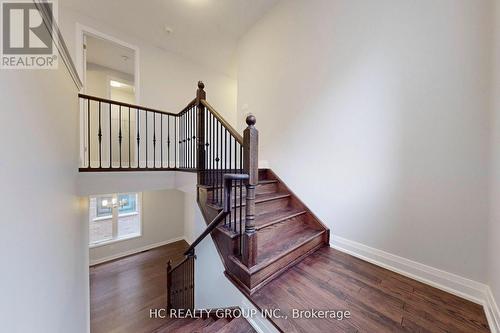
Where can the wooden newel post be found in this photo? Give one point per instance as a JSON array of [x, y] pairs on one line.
[[200, 132], [251, 167], [169, 285]]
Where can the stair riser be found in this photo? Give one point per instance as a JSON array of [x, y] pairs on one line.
[[256, 280], [273, 270]]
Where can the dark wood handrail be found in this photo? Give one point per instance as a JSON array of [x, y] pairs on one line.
[[132, 106], [228, 180], [224, 123]]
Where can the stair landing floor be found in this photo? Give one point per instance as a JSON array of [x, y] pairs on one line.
[[377, 299]]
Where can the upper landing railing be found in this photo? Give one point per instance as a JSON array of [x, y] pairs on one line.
[[118, 136]]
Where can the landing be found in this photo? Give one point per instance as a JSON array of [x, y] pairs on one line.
[[378, 300]]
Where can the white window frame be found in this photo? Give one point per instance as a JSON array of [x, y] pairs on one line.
[[115, 215]]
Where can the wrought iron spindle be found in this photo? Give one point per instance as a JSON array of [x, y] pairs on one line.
[[120, 133], [138, 139], [129, 135], [99, 136], [88, 132], [161, 140], [154, 140], [146, 140], [110, 139]]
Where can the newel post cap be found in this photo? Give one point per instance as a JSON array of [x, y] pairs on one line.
[[251, 120]]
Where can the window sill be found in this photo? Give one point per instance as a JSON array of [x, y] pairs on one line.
[[110, 217], [112, 241]]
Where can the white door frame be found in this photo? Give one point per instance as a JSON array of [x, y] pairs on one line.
[[81, 31]]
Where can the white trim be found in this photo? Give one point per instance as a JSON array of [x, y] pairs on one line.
[[82, 30], [134, 251], [114, 240], [258, 322], [474, 291], [492, 312], [59, 42]]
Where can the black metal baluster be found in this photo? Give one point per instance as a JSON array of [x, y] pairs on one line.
[[88, 131], [216, 161], [175, 144], [99, 135], [191, 128], [241, 199], [129, 135], [207, 145], [209, 150], [212, 157], [185, 140], [193, 143], [188, 144], [180, 141], [161, 140], [221, 174], [235, 184], [120, 133], [110, 138], [168, 142], [146, 114], [138, 139], [154, 140], [230, 212]]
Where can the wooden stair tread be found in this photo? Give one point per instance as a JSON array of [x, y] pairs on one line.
[[268, 219], [280, 239], [259, 198], [261, 182]]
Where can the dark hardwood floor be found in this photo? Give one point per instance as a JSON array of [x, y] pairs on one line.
[[379, 300], [123, 291]]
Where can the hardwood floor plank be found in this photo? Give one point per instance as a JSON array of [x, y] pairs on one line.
[[379, 300]]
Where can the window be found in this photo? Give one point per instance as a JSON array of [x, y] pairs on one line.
[[114, 217]]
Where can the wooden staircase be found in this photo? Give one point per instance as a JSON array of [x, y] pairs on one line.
[[286, 232], [260, 227]]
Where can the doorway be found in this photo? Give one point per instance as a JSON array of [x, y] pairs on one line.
[[109, 69]]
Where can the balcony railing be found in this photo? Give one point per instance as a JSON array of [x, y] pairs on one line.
[[117, 136]]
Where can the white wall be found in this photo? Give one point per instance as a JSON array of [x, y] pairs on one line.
[[42, 242], [167, 81], [162, 221], [382, 109], [494, 227], [97, 83]]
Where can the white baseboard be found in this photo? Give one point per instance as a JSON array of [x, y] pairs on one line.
[[492, 312], [134, 251], [474, 291], [259, 323]]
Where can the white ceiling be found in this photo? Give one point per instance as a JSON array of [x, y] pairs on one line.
[[206, 31], [108, 54]]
